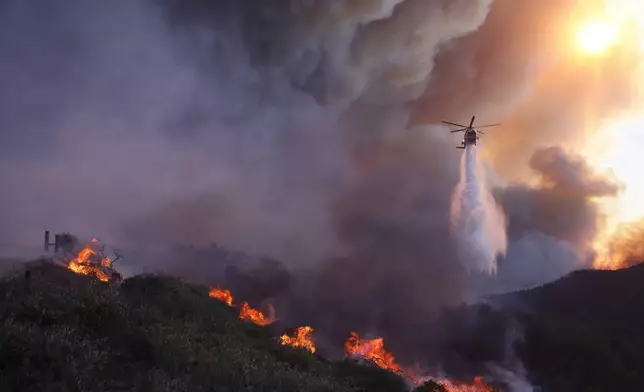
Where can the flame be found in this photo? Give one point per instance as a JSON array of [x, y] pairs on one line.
[[478, 385], [223, 295], [82, 264], [622, 248], [245, 312], [372, 350], [254, 315], [302, 338]]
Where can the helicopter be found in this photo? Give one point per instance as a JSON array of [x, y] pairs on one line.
[[471, 133]]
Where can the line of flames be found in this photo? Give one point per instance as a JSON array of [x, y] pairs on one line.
[[372, 350], [246, 312]]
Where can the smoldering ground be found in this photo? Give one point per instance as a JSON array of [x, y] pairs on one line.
[[281, 128]]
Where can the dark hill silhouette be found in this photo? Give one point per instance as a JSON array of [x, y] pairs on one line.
[[597, 296], [583, 332]]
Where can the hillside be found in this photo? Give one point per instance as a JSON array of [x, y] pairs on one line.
[[66, 332], [583, 332]]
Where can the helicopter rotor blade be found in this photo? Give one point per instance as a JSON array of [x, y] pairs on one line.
[[490, 125], [459, 130], [455, 124]]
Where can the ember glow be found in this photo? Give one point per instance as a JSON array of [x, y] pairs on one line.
[[223, 295], [478, 385], [85, 264], [254, 315], [302, 338]]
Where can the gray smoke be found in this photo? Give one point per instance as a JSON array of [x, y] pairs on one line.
[[376, 51], [551, 225], [162, 124]]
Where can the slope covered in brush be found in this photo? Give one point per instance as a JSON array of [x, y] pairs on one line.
[[66, 332]]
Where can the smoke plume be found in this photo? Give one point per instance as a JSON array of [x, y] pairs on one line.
[[477, 221], [551, 224]]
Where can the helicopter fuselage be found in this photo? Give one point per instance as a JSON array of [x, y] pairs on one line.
[[470, 134], [470, 138]]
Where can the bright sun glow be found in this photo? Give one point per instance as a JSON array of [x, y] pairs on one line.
[[619, 145], [595, 37], [619, 148]]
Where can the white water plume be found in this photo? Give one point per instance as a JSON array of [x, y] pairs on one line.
[[477, 221]]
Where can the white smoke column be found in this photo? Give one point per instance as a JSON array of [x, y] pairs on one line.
[[477, 221]]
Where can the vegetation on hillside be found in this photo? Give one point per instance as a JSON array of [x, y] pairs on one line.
[[66, 332]]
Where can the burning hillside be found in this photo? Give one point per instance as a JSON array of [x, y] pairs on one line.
[[372, 350], [558, 328], [150, 330]]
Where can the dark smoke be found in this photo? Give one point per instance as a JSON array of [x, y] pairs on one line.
[[279, 128]]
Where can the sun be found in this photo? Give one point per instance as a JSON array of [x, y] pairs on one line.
[[595, 37]]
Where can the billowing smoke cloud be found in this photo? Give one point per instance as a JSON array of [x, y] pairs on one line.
[[170, 125], [375, 51], [553, 224], [477, 222], [117, 121]]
